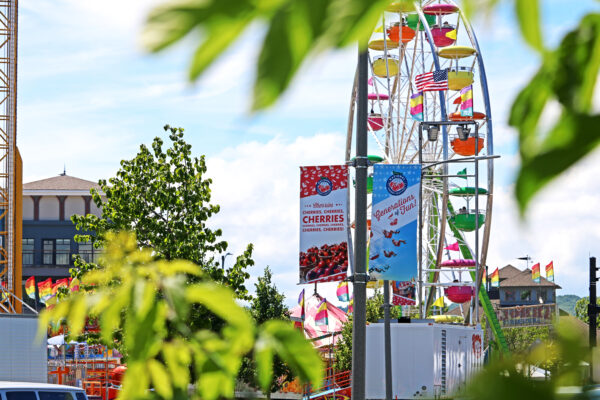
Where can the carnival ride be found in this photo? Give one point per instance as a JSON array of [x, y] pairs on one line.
[[414, 39]]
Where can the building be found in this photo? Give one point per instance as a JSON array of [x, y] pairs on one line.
[[517, 288], [48, 233]]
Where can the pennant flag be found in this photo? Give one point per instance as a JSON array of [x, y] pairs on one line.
[[73, 285], [439, 302], [466, 101], [535, 273], [45, 290], [301, 303], [495, 278], [342, 291], [453, 247], [370, 81], [550, 271], [432, 81], [456, 100], [321, 317], [451, 34], [379, 29], [416, 106], [462, 172], [30, 287]]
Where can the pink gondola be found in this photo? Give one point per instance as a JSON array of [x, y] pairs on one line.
[[378, 96], [459, 294], [441, 37], [458, 263]]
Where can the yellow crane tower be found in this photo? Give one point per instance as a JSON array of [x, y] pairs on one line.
[[11, 181]]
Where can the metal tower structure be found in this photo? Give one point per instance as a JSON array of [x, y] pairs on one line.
[[10, 164]]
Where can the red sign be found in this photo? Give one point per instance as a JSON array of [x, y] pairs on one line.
[[539, 314], [323, 223]]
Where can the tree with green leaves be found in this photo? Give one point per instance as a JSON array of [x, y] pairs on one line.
[[267, 304], [163, 196], [298, 29], [343, 348], [150, 299], [581, 309]]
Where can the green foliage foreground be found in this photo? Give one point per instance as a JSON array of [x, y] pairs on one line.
[[148, 299]]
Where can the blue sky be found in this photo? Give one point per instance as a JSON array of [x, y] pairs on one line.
[[89, 96]]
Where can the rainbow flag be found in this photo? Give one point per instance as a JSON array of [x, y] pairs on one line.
[[550, 271], [342, 292], [484, 278], [301, 303], [535, 273], [495, 278], [351, 304], [321, 317], [58, 284], [45, 290], [73, 284], [416, 106], [30, 287], [466, 101]]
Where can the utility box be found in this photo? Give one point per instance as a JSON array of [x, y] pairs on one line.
[[428, 360], [23, 357]]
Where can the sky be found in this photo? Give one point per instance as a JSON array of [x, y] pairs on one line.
[[88, 96]]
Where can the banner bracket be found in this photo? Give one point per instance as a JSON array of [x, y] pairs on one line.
[[359, 278], [360, 162]]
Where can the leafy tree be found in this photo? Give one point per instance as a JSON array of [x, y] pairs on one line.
[[343, 348], [567, 74], [267, 304], [521, 339], [162, 196], [145, 298], [581, 309]]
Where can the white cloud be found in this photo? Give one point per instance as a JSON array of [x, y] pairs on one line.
[[562, 225]]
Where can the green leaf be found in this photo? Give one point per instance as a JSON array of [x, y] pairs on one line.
[[263, 356], [528, 16], [292, 33], [289, 344], [77, 315], [220, 301], [160, 379], [573, 137]]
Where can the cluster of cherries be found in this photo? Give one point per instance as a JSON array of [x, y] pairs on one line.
[[325, 261]]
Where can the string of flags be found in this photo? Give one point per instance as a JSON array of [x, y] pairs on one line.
[[47, 290]]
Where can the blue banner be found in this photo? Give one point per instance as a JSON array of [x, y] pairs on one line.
[[394, 221]]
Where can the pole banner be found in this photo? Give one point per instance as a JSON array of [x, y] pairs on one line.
[[404, 293], [394, 219], [323, 223]]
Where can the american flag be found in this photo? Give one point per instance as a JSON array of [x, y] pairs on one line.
[[436, 80]]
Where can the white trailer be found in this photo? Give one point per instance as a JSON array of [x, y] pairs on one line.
[[23, 356], [428, 360]]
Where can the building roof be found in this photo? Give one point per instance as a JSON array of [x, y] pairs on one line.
[[523, 279], [508, 272], [61, 182]]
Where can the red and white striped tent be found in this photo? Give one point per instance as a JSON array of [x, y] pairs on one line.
[[336, 318]]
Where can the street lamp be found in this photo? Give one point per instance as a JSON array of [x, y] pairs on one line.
[[223, 259]]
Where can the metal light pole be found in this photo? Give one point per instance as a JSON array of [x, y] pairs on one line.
[[360, 249], [223, 257], [387, 340]]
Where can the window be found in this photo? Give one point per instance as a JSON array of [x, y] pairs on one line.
[[27, 248], [48, 252], [543, 296], [80, 396], [55, 395], [63, 251], [89, 253], [56, 251], [20, 396], [509, 295], [525, 295]]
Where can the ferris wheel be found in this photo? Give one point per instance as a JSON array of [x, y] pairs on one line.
[[413, 118]]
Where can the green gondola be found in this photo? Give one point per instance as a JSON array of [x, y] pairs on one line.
[[466, 222], [412, 19], [466, 191], [374, 159]]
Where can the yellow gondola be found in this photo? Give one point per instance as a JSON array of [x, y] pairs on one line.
[[379, 67], [455, 52], [459, 78], [379, 44]]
